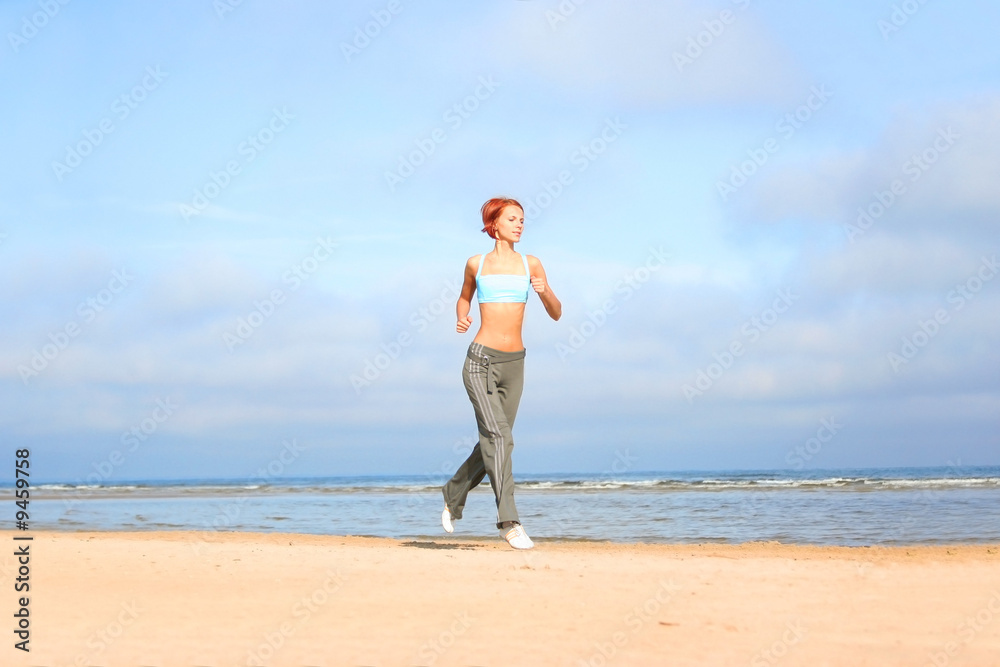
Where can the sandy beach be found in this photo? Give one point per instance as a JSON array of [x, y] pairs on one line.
[[209, 598]]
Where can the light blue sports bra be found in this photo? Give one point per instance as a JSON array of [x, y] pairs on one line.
[[502, 287]]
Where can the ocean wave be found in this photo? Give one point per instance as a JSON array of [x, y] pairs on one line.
[[582, 484], [856, 483]]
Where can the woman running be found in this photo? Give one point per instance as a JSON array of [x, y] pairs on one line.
[[494, 364]]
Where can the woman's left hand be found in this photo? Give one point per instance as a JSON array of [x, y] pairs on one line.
[[538, 284]]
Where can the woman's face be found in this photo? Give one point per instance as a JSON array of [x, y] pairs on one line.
[[510, 224]]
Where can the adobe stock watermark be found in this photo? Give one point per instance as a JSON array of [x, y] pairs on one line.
[[223, 7], [713, 29], [247, 150], [915, 167], [752, 330], [927, 497], [104, 637], [33, 23], [622, 463], [773, 654], [900, 16], [454, 117], [130, 440], [786, 127], [800, 455], [463, 448], [927, 329], [419, 321], [434, 648], [629, 284], [296, 276], [301, 611], [363, 35], [966, 632], [581, 158], [290, 452], [87, 311], [562, 13], [634, 621], [121, 108]]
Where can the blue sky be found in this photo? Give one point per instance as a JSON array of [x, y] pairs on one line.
[[213, 220]]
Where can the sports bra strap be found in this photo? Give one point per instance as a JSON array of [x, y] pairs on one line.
[[524, 258]]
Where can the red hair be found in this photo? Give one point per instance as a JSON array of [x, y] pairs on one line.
[[491, 213]]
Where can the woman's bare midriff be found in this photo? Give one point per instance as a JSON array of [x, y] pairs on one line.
[[500, 326]]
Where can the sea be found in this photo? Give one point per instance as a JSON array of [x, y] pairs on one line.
[[849, 507]]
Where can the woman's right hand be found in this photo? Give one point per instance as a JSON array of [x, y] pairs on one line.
[[463, 324]]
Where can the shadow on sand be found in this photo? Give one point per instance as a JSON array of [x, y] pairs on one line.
[[438, 545]]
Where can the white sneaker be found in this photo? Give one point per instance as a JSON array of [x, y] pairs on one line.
[[446, 520], [516, 537]]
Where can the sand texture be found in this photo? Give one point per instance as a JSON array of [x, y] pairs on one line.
[[208, 598]]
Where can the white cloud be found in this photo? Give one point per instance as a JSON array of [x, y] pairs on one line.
[[945, 158], [627, 50], [889, 263]]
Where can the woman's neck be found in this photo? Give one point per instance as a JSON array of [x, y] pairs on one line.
[[504, 248]]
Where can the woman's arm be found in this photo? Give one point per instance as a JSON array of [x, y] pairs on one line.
[[540, 283], [465, 298]]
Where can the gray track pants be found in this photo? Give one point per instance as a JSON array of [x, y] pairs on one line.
[[494, 380]]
